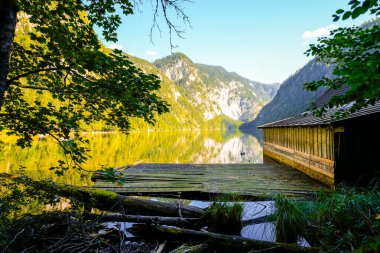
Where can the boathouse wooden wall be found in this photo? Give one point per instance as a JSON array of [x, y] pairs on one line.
[[309, 149]]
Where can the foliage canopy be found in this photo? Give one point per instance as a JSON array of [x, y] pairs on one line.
[[58, 56], [355, 53]]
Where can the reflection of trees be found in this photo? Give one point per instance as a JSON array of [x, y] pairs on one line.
[[118, 149], [257, 133]]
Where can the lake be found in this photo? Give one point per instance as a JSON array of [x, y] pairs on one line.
[[118, 149]]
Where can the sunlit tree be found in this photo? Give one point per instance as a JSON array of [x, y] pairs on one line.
[[55, 73]]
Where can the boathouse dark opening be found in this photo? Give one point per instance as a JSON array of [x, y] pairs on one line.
[[357, 159]]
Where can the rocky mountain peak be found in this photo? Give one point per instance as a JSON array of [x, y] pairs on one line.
[[178, 68], [216, 90]]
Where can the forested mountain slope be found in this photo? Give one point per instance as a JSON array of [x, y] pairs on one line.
[[199, 96], [291, 98], [214, 91], [183, 114]]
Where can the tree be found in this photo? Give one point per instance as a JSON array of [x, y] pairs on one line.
[[56, 73], [355, 53]]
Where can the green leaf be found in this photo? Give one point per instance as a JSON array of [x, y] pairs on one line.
[[347, 15], [357, 12], [336, 18]]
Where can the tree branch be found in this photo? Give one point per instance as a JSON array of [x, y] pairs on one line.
[[165, 5], [80, 76], [36, 88], [33, 72]]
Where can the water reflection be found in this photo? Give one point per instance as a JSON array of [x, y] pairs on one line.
[[263, 231], [117, 149], [256, 132]]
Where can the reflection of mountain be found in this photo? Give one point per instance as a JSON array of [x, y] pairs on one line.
[[238, 149], [113, 150], [256, 133]]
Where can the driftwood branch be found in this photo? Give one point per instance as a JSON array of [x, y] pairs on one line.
[[161, 247], [222, 243], [200, 248], [258, 220], [151, 220]]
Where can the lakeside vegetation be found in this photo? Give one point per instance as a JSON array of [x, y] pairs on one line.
[[57, 77], [347, 220]]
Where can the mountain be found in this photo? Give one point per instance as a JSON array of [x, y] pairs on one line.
[[200, 96], [291, 98], [215, 91], [183, 114]]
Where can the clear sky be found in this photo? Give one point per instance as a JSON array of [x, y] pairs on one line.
[[263, 40]]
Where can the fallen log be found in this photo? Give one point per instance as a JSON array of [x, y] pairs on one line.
[[258, 220], [111, 201], [219, 242], [200, 248], [150, 220], [199, 195]]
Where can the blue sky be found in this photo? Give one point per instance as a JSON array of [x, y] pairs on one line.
[[263, 40]]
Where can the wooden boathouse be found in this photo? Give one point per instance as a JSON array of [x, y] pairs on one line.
[[329, 150]]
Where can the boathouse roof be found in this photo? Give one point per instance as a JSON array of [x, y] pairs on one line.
[[307, 118]]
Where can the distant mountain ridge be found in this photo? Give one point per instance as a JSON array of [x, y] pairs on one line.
[[292, 99], [216, 91]]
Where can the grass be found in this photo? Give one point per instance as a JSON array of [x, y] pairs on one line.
[[225, 215], [342, 221], [289, 219]]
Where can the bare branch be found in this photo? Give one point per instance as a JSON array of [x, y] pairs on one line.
[[155, 23], [14, 238], [165, 6]]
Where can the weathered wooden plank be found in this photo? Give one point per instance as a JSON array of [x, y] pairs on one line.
[[292, 153], [332, 143], [325, 176], [323, 142], [248, 179], [303, 140]]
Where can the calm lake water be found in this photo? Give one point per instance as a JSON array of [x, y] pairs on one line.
[[118, 149]]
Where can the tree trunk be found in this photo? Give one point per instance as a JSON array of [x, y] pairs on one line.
[[222, 243], [8, 17], [111, 201]]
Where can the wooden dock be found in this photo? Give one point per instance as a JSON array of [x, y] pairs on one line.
[[252, 181]]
